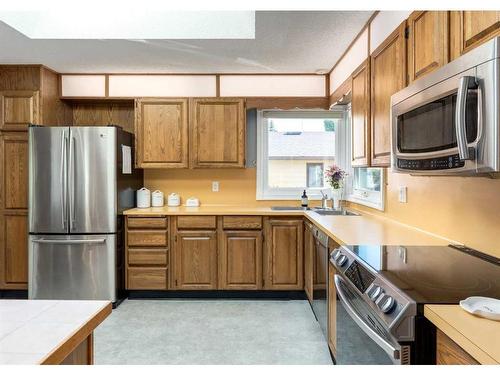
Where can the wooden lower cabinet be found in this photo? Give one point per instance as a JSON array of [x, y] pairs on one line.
[[14, 250], [283, 259], [195, 260], [240, 260], [147, 253], [308, 261], [332, 310], [448, 352]]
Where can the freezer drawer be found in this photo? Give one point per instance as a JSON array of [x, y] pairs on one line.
[[74, 267]]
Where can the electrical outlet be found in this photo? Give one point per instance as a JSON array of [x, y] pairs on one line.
[[215, 186], [402, 194]]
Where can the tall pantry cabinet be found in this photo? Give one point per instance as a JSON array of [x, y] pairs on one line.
[[28, 94]]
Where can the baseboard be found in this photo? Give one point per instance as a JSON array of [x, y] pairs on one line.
[[13, 294], [218, 294]]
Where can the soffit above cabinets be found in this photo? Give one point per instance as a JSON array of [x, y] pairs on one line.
[[202, 85], [285, 42]]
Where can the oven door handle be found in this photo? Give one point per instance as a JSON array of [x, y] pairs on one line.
[[466, 83], [386, 346]]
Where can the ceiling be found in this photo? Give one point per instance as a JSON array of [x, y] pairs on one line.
[[285, 42]]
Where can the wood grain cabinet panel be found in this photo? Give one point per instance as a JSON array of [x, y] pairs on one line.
[[14, 173], [14, 250], [283, 261], [147, 278], [469, 29], [146, 238], [147, 257], [360, 109], [388, 74], [242, 222], [161, 128], [332, 310], [308, 261], [240, 260], [428, 46], [196, 222], [18, 109], [448, 352], [195, 260], [217, 133], [147, 222]]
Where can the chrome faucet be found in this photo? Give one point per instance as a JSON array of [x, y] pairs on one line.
[[324, 200]]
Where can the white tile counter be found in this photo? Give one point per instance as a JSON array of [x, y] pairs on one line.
[[46, 331]]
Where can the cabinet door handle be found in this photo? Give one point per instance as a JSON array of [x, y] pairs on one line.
[[196, 238]]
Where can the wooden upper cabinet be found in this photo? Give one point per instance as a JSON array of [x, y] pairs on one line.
[[161, 128], [18, 109], [217, 133], [469, 29], [388, 73], [427, 42], [360, 108], [240, 260], [283, 261], [195, 260]]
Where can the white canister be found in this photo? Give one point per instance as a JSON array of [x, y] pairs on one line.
[[174, 200], [143, 198], [157, 198]]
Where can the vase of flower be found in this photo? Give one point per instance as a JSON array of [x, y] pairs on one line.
[[335, 177]]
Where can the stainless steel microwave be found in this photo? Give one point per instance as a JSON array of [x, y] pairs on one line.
[[448, 122]]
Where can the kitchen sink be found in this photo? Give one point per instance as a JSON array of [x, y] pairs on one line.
[[323, 211]]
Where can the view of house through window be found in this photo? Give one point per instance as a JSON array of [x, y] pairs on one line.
[[297, 150]]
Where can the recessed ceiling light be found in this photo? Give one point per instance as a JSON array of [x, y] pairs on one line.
[[91, 24]]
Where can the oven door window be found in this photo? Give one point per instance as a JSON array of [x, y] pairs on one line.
[[431, 127]]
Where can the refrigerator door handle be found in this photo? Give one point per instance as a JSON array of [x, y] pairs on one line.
[[63, 180], [70, 242], [71, 178]]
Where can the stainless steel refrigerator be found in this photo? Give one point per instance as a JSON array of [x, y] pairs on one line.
[[81, 178]]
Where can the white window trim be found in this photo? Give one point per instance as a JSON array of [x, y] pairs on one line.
[[360, 196], [263, 191]]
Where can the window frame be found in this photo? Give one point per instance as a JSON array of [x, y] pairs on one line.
[[263, 191]]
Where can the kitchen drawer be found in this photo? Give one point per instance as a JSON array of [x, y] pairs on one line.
[[196, 222], [242, 222], [147, 278], [148, 257], [147, 222], [147, 238]]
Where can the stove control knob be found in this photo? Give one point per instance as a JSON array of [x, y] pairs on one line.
[[386, 304], [341, 260], [336, 255], [374, 292]]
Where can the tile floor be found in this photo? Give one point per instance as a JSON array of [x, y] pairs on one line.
[[188, 331]]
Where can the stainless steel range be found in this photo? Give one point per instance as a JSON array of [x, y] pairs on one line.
[[381, 292]]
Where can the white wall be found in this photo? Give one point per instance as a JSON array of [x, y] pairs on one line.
[[272, 85], [162, 85], [83, 85], [351, 60], [384, 23]]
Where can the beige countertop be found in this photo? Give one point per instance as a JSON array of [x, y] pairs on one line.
[[477, 336], [365, 229], [43, 331]]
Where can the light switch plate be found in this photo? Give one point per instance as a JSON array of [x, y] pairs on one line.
[[402, 194], [215, 186]]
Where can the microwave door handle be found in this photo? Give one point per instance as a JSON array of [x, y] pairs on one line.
[[466, 83], [381, 342]]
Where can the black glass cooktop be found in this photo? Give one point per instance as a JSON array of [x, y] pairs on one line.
[[434, 274]]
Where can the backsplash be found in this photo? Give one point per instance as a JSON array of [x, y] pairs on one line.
[[465, 209]]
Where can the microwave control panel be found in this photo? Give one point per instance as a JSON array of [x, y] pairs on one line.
[[444, 162]]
